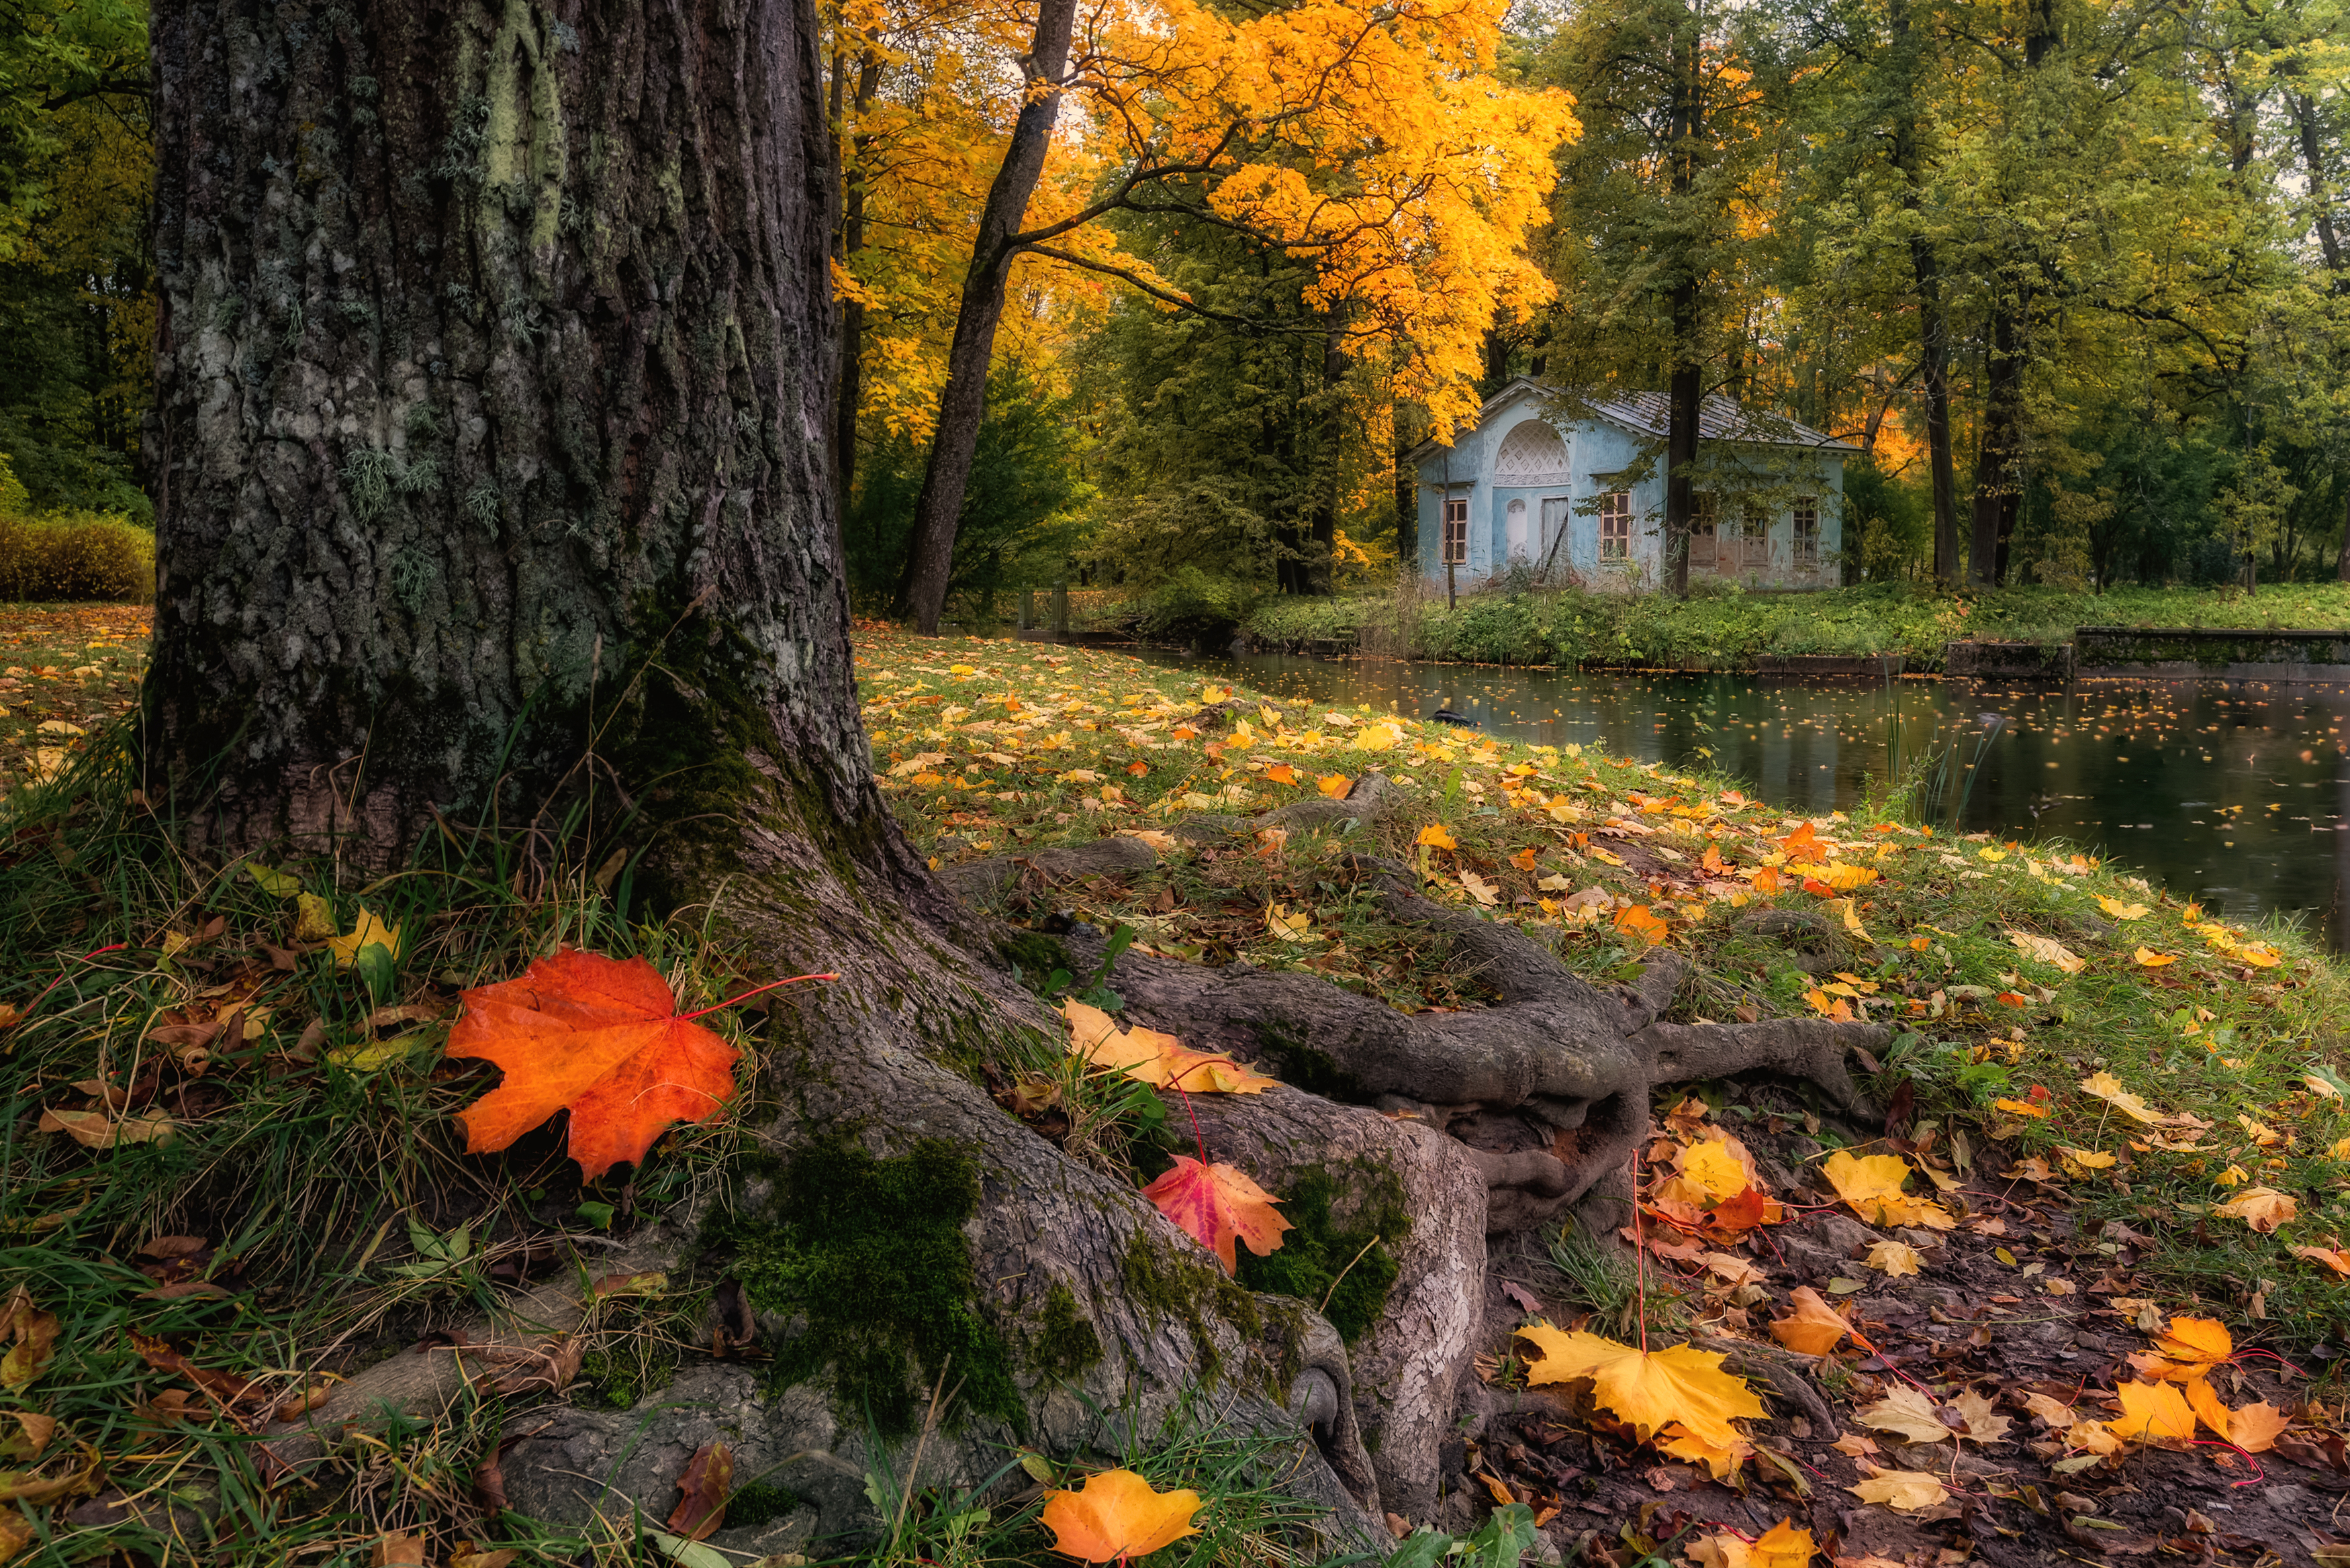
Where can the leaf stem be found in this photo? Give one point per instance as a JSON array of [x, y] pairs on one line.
[[720, 1006]]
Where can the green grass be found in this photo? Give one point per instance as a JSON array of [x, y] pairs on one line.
[[1730, 628]]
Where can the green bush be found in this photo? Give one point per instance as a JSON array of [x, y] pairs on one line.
[[76, 555]]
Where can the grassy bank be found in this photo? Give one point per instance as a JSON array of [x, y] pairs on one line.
[[2012, 973], [1731, 628]]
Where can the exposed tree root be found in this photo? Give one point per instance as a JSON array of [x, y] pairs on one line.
[[1549, 1090]]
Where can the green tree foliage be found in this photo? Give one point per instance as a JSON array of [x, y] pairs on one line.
[[75, 316], [1022, 513]]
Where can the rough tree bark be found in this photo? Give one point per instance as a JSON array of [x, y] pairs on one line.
[[937, 511], [1999, 492]]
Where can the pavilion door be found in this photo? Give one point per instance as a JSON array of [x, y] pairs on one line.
[[1555, 514], [1705, 542]]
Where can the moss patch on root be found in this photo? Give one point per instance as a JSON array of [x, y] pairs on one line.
[[1344, 1266], [869, 1254]]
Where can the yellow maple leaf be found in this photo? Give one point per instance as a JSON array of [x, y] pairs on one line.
[[1894, 1259], [1909, 1491], [2149, 958], [2021, 1108], [1722, 1459], [1159, 1060], [1648, 1391], [2121, 911], [2153, 1413], [1378, 738], [2048, 951], [1715, 1170], [2262, 1208], [1872, 1185], [1335, 785], [368, 932], [2108, 1088], [1434, 837]]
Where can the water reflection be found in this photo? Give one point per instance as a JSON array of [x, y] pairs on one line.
[[2236, 792]]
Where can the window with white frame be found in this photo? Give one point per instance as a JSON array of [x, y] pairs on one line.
[[1456, 530], [1807, 531], [1615, 526]]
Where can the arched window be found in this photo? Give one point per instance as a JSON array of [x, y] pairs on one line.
[[1531, 453]]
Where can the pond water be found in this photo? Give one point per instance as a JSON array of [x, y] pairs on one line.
[[2235, 793]]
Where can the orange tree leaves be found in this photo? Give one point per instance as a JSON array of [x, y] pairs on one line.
[[1216, 1204], [600, 1036], [1116, 1516]]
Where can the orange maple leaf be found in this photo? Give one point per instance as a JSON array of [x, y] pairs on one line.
[[1115, 1515], [1215, 1204], [1638, 920], [2153, 1413], [1285, 774], [2190, 1348], [601, 1036], [1815, 1328], [1335, 785], [1800, 841]]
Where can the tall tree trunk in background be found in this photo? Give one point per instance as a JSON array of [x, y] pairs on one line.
[[1998, 491], [1684, 390], [850, 391], [2337, 261], [1330, 436], [448, 443], [1407, 495], [1933, 323], [964, 403]]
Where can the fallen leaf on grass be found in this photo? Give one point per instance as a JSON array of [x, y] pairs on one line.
[[702, 1505], [2121, 911], [1815, 1329], [2330, 1255], [1477, 888], [2149, 958], [398, 1551], [1649, 1391], [1639, 922], [1908, 1490], [2153, 1413], [600, 1036], [2262, 1207], [96, 1129], [1159, 1060], [2021, 1108], [31, 1434], [370, 932], [1116, 1516], [1434, 837], [1336, 786], [2048, 951], [1216, 1205], [2110, 1089]]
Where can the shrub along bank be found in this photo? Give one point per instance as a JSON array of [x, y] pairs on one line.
[[71, 555], [1731, 628]]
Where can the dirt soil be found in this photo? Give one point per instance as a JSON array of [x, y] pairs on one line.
[[2061, 1319]]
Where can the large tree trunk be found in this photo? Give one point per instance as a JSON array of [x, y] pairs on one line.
[[488, 363], [938, 512]]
